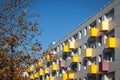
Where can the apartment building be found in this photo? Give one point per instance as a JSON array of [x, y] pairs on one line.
[[90, 52]]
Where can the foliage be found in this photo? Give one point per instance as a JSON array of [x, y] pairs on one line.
[[18, 38]]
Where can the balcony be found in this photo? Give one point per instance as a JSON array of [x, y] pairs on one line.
[[63, 63], [52, 78], [93, 32], [35, 75], [47, 70], [88, 53], [75, 58], [40, 64], [104, 26], [47, 78], [65, 49], [31, 76], [92, 69], [48, 58], [41, 72], [64, 76], [30, 69], [72, 45], [53, 57], [104, 66], [54, 67], [110, 42], [71, 75], [37, 65]]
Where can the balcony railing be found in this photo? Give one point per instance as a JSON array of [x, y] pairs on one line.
[[47, 70], [93, 32], [92, 69], [48, 58], [47, 78], [65, 48], [41, 72], [64, 76], [88, 53], [104, 66], [71, 75], [75, 58], [53, 57], [30, 69], [62, 63], [110, 42], [104, 26], [36, 75], [31, 76], [54, 67], [52, 78], [72, 45]]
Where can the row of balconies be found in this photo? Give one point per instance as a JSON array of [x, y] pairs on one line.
[[103, 26], [110, 43], [92, 69]]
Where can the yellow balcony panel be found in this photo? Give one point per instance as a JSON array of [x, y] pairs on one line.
[[36, 65], [92, 69], [47, 70], [47, 78], [71, 75], [110, 42], [54, 67], [30, 69], [40, 63], [75, 58], [41, 73], [65, 48], [72, 45], [88, 53], [64, 76], [103, 26], [31, 76], [48, 58], [52, 78], [93, 32], [35, 75]]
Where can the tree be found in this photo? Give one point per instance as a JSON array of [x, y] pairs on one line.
[[18, 38]]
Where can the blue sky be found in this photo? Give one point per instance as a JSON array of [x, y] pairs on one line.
[[58, 17]]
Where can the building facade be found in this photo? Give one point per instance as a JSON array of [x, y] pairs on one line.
[[90, 52]]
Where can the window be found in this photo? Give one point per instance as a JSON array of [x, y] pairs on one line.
[[85, 31], [79, 50], [75, 36], [111, 76], [92, 25], [99, 41], [85, 64], [110, 15], [92, 43], [79, 66], [111, 33], [85, 46], [55, 50], [75, 51], [99, 58], [79, 34], [60, 46], [104, 40], [57, 73], [85, 78], [93, 60], [58, 49], [109, 56]]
